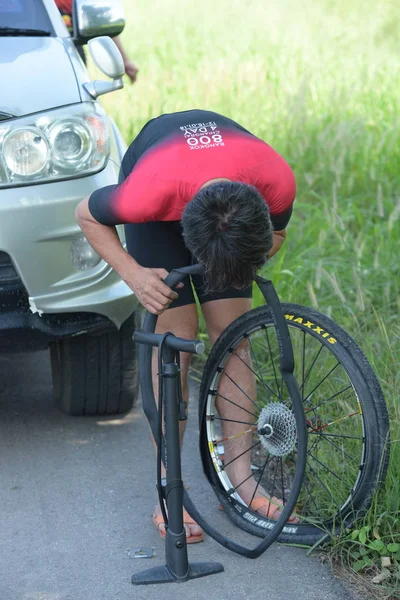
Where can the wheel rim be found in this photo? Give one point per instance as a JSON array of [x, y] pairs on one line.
[[337, 448]]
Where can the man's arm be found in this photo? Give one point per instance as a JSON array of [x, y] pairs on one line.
[[147, 284], [130, 68], [277, 241]]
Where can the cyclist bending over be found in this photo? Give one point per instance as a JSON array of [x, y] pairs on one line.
[[197, 187]]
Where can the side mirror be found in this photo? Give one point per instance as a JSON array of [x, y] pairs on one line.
[[108, 59], [92, 18]]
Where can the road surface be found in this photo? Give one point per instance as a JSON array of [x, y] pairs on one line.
[[78, 493]]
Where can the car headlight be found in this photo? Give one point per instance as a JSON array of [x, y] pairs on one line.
[[25, 152], [63, 143]]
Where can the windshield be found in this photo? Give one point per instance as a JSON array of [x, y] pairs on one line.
[[24, 14]]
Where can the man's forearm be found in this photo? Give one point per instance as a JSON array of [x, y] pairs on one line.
[[117, 41]]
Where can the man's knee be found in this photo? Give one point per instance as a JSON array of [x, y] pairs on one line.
[[219, 314], [182, 322]]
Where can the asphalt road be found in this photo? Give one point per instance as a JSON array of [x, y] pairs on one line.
[[77, 494]]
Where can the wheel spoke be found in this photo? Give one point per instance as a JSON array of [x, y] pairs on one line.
[[244, 481], [236, 421], [302, 388], [322, 381], [311, 495], [273, 364], [323, 485], [242, 453], [238, 405], [256, 375], [317, 429], [237, 435], [315, 407], [272, 492], [254, 357], [243, 392], [303, 366], [342, 451], [282, 481], [350, 437], [260, 477], [328, 469]]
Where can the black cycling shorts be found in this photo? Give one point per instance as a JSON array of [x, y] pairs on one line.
[[160, 245]]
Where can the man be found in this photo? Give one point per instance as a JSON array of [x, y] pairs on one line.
[[65, 8], [196, 186]]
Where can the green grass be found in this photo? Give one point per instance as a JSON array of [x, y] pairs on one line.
[[319, 82]]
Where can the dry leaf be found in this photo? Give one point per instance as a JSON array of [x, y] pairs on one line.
[[385, 574]]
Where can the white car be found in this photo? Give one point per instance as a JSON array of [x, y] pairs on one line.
[[57, 145]]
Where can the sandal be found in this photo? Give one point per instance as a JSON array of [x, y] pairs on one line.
[[187, 520]]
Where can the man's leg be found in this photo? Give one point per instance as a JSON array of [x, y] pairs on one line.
[[183, 322], [218, 315], [160, 245]]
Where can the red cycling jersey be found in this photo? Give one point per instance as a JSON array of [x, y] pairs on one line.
[[175, 154]]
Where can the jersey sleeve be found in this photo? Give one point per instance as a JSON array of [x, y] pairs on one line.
[[281, 220], [276, 182], [101, 205], [138, 199], [109, 205], [126, 202]]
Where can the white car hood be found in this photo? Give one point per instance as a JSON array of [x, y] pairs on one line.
[[36, 74]]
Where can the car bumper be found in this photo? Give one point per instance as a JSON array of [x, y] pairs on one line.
[[23, 330], [37, 230]]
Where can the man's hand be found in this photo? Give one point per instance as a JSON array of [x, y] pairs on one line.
[[150, 289], [131, 70]]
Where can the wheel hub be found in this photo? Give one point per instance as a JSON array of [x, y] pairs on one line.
[[276, 428]]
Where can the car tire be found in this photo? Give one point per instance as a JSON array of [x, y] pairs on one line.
[[96, 374]]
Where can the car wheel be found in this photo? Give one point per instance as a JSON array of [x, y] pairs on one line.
[[96, 375]]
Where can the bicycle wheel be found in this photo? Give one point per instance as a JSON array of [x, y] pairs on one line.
[[346, 417]]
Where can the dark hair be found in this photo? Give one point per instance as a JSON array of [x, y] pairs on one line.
[[227, 228]]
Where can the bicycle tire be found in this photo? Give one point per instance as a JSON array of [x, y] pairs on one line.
[[373, 418]]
